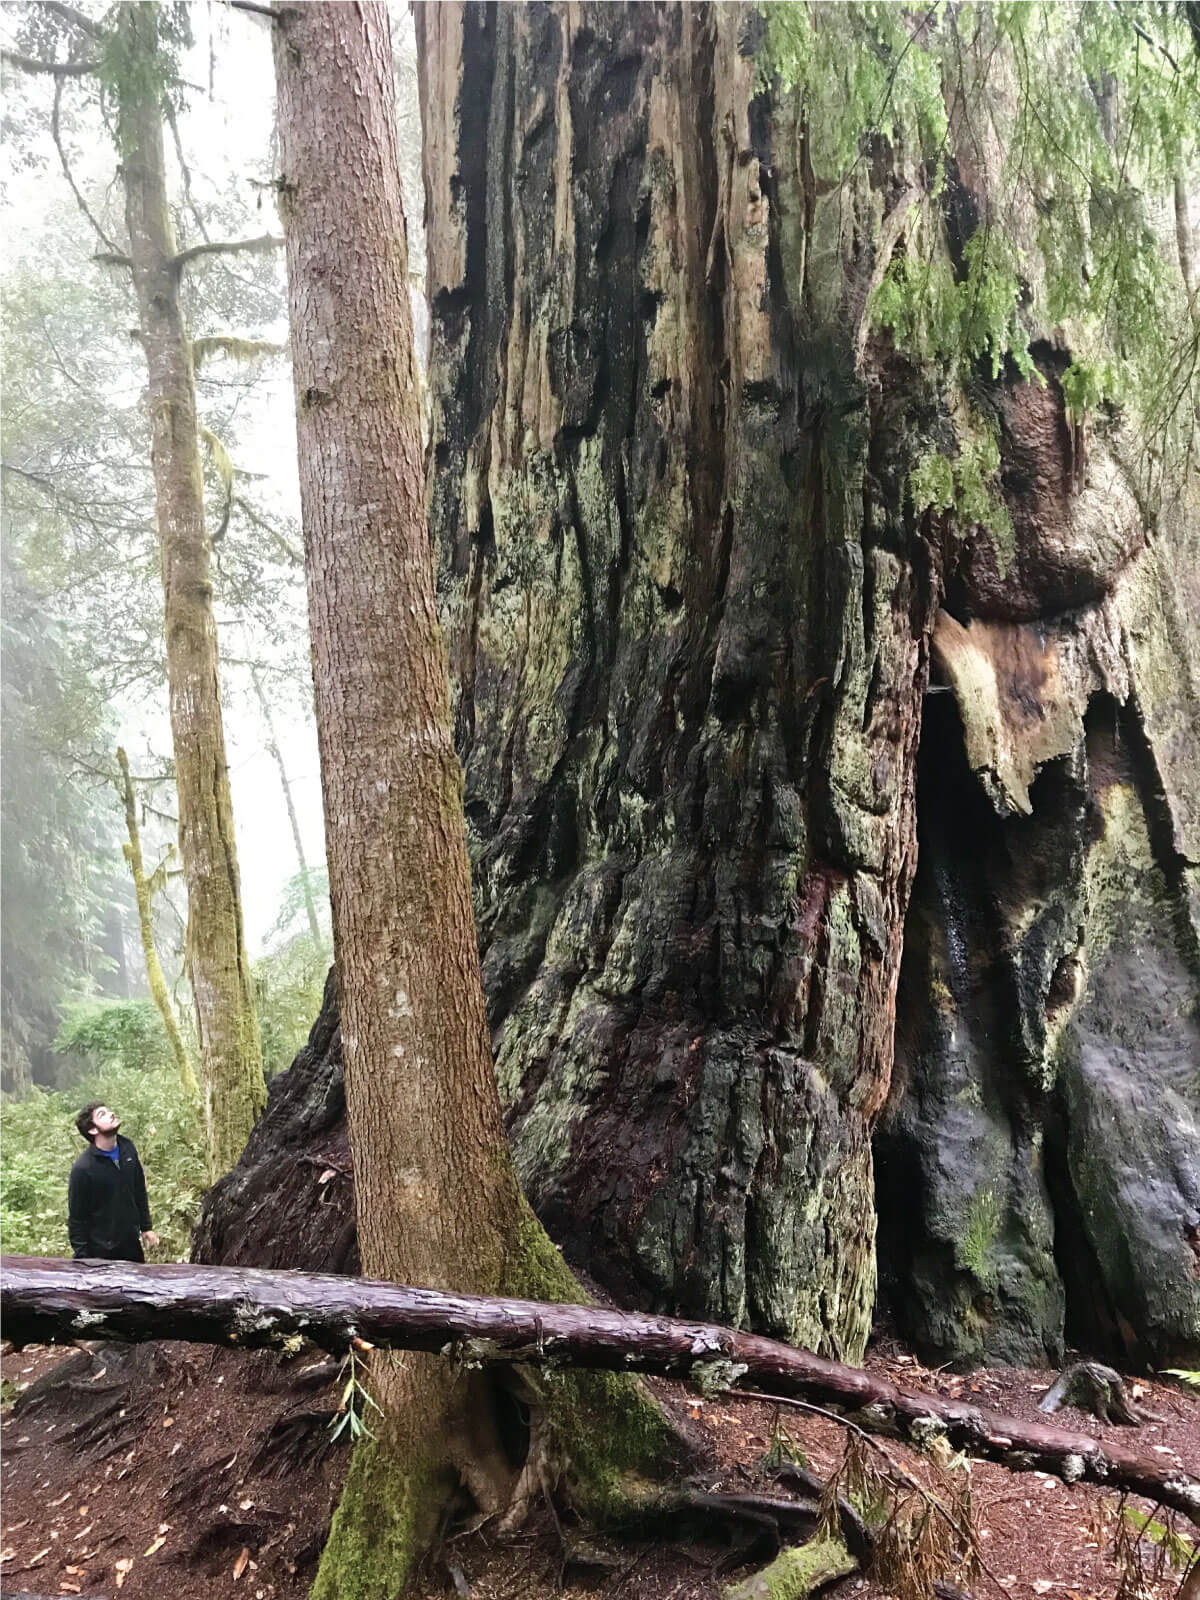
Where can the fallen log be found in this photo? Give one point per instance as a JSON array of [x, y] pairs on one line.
[[57, 1302]]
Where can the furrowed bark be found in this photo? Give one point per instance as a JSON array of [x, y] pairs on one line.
[[688, 637], [436, 1194], [218, 962], [55, 1301]]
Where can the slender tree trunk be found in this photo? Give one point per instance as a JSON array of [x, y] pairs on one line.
[[436, 1195], [310, 905], [218, 962], [144, 895]]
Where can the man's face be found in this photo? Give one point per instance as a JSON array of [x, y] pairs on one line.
[[105, 1120]]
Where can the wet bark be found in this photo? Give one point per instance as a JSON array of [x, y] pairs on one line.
[[436, 1196], [690, 616], [688, 634], [218, 962], [144, 895], [48, 1301]]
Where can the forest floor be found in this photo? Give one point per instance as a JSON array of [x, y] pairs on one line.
[[207, 1474]]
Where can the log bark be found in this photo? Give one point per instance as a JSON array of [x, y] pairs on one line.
[[55, 1301]]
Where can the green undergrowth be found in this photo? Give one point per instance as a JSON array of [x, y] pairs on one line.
[[41, 1143]]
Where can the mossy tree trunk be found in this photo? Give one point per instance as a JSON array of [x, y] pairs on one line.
[[437, 1198], [688, 629], [143, 892], [218, 962], [689, 608]]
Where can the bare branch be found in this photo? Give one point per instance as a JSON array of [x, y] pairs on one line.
[[75, 17], [261, 11], [292, 554], [59, 69], [225, 247], [184, 173], [56, 135], [114, 258]]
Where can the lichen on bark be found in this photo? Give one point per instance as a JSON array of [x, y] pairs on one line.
[[234, 1090], [682, 664]]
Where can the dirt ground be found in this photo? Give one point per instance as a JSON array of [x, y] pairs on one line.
[[208, 1474]]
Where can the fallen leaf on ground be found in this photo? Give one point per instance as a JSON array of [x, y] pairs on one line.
[[41, 1556], [168, 1422], [154, 1546], [240, 1565], [123, 1570]]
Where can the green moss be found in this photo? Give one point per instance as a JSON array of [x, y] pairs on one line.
[[984, 1217], [615, 1435], [796, 1572], [385, 1522]]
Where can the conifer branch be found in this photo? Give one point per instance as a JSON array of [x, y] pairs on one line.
[[75, 17], [60, 69], [225, 247]]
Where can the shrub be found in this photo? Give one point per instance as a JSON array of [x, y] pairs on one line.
[[40, 1143], [122, 1033], [288, 986]]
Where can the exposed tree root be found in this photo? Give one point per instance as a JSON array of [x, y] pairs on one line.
[[796, 1572], [1090, 1386]]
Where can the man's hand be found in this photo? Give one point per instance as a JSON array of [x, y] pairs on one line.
[[150, 1239]]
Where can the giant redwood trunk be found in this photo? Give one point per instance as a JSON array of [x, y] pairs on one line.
[[689, 632], [691, 617], [217, 958]]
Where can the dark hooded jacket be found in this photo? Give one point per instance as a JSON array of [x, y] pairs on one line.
[[107, 1207]]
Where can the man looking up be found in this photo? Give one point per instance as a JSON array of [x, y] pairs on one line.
[[108, 1214]]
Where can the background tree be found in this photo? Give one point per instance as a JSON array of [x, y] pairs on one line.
[[56, 868], [132, 54], [145, 886]]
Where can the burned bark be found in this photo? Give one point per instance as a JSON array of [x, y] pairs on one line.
[[52, 1301], [688, 632], [690, 611]]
